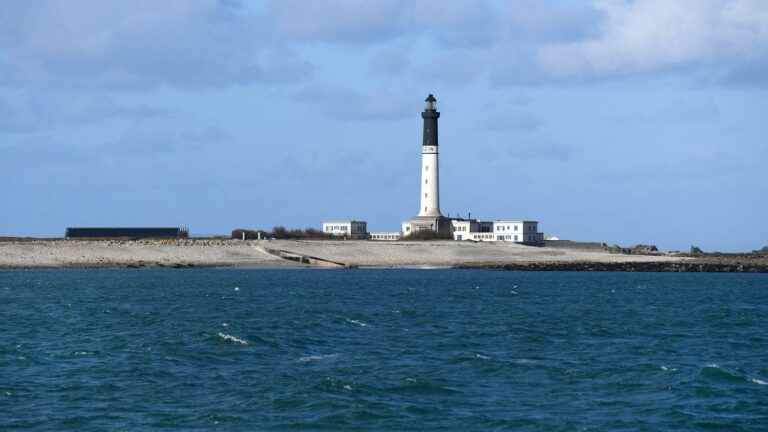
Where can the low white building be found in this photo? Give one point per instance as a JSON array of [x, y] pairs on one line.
[[471, 229], [385, 236], [346, 228], [516, 231]]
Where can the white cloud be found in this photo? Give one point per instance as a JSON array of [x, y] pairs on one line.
[[143, 44], [140, 44], [358, 22], [648, 35]]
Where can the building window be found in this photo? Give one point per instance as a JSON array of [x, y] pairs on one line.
[[515, 230], [425, 195], [515, 237], [426, 181]]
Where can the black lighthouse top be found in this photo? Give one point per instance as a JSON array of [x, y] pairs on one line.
[[430, 116]]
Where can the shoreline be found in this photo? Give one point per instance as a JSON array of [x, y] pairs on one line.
[[693, 266], [584, 266], [226, 253]]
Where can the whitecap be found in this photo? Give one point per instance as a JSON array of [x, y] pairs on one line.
[[231, 338], [347, 387], [237, 288], [513, 292], [360, 323], [758, 381], [480, 356], [310, 358]]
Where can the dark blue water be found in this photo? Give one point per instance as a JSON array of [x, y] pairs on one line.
[[224, 349]]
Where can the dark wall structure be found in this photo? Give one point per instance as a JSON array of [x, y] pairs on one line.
[[430, 116], [132, 233]]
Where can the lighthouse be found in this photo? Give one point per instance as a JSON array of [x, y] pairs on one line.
[[430, 172], [429, 217]]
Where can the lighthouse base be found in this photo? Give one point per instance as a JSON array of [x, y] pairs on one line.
[[436, 224]]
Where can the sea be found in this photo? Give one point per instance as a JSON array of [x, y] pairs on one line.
[[382, 350]]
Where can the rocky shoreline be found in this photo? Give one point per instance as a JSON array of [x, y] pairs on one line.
[[693, 266]]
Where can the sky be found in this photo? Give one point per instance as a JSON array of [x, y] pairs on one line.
[[609, 120]]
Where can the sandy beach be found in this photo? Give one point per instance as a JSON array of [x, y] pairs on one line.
[[266, 253]]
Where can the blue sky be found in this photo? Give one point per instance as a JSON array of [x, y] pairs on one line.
[[620, 121]]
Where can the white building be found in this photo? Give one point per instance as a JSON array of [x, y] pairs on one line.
[[385, 236], [471, 229], [518, 231], [346, 228]]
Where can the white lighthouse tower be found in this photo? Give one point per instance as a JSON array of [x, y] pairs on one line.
[[430, 171], [429, 217]]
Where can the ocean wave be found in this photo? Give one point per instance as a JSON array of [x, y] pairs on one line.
[[714, 372], [758, 381], [311, 358], [230, 338], [360, 323]]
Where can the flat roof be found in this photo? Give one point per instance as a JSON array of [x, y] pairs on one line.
[[343, 221], [515, 220]]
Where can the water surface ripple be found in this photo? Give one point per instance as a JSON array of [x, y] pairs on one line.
[[259, 349]]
